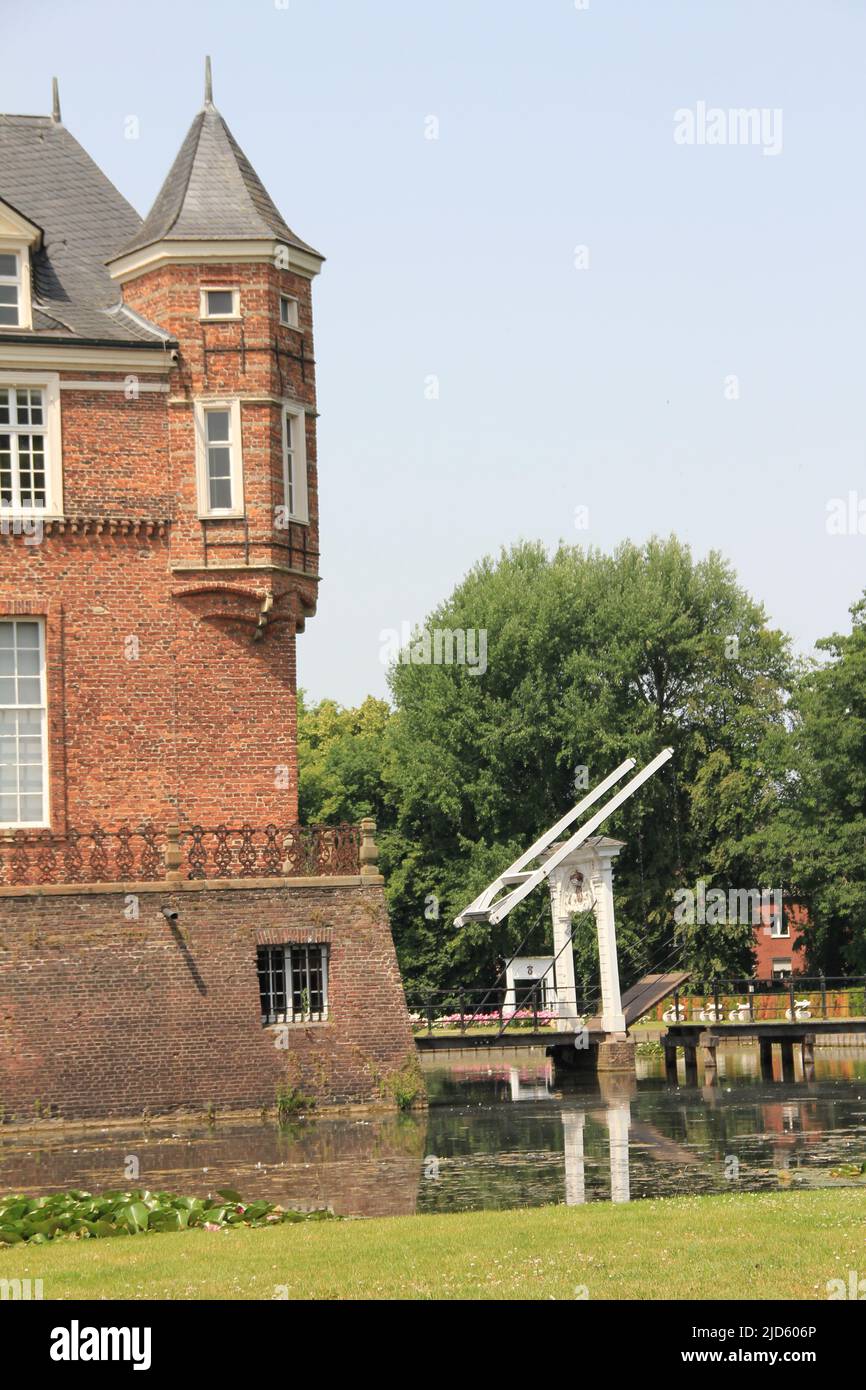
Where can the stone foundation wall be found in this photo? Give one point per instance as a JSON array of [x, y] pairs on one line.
[[106, 1008]]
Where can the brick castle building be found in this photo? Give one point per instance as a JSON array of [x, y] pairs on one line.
[[170, 937]]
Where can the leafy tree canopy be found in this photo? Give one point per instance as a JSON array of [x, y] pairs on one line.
[[590, 658]]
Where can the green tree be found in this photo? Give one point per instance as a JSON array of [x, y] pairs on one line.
[[341, 761], [590, 658], [819, 842]]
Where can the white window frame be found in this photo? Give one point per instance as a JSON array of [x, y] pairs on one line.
[[295, 463], [233, 406], [779, 928], [235, 293], [49, 384], [292, 319], [22, 301], [43, 706], [288, 1014]]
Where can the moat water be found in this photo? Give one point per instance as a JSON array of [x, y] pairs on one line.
[[497, 1134]]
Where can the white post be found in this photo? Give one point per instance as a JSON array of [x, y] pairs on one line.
[[583, 880], [561, 907], [612, 1016]]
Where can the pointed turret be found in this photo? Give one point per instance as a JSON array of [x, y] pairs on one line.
[[213, 193]]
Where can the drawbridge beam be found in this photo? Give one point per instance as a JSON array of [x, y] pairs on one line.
[[577, 856], [485, 909]]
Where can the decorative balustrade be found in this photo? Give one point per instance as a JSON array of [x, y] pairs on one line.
[[299, 851], [150, 854], [97, 855]]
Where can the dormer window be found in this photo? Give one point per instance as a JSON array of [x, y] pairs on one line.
[[10, 290], [220, 302], [288, 311]]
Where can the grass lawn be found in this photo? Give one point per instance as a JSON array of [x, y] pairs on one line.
[[767, 1246]]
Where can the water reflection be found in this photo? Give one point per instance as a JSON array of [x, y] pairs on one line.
[[498, 1133]]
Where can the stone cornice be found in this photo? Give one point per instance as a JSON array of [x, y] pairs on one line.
[[145, 526], [267, 250], [63, 354]]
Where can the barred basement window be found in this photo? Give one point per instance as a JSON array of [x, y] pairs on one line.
[[293, 983]]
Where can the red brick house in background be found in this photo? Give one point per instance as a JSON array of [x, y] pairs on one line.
[[779, 942], [169, 936]]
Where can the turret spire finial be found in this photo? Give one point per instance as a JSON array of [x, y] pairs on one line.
[[208, 83], [55, 101]]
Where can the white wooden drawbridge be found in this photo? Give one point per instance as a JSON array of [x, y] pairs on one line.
[[579, 875]]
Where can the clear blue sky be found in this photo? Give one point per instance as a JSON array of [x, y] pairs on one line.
[[559, 387]]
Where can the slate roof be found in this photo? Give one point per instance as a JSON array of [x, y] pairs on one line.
[[213, 193], [48, 178]]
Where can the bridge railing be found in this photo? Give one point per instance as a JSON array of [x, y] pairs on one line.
[[796, 998], [536, 1008]]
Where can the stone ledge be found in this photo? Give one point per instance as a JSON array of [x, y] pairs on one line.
[[184, 885]]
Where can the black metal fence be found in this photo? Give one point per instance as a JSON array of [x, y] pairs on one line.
[[538, 1007]]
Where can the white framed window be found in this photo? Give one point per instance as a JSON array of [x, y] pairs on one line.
[[30, 444], [288, 311], [220, 302], [11, 297], [295, 464], [293, 983], [781, 969], [23, 724], [778, 925], [219, 458]]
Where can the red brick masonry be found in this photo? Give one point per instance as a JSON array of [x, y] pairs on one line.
[[103, 1015]]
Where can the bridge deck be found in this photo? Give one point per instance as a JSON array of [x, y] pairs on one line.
[[636, 1002], [775, 1029], [516, 1037], [643, 996]]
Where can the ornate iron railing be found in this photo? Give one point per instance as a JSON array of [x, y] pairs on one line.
[[150, 854], [124, 855], [296, 851]]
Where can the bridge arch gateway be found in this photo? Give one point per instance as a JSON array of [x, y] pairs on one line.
[[582, 881]]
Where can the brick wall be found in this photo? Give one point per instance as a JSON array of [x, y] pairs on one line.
[[161, 706], [102, 1015], [769, 948], [172, 657]]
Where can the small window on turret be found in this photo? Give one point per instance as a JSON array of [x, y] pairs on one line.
[[220, 303], [288, 311]]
